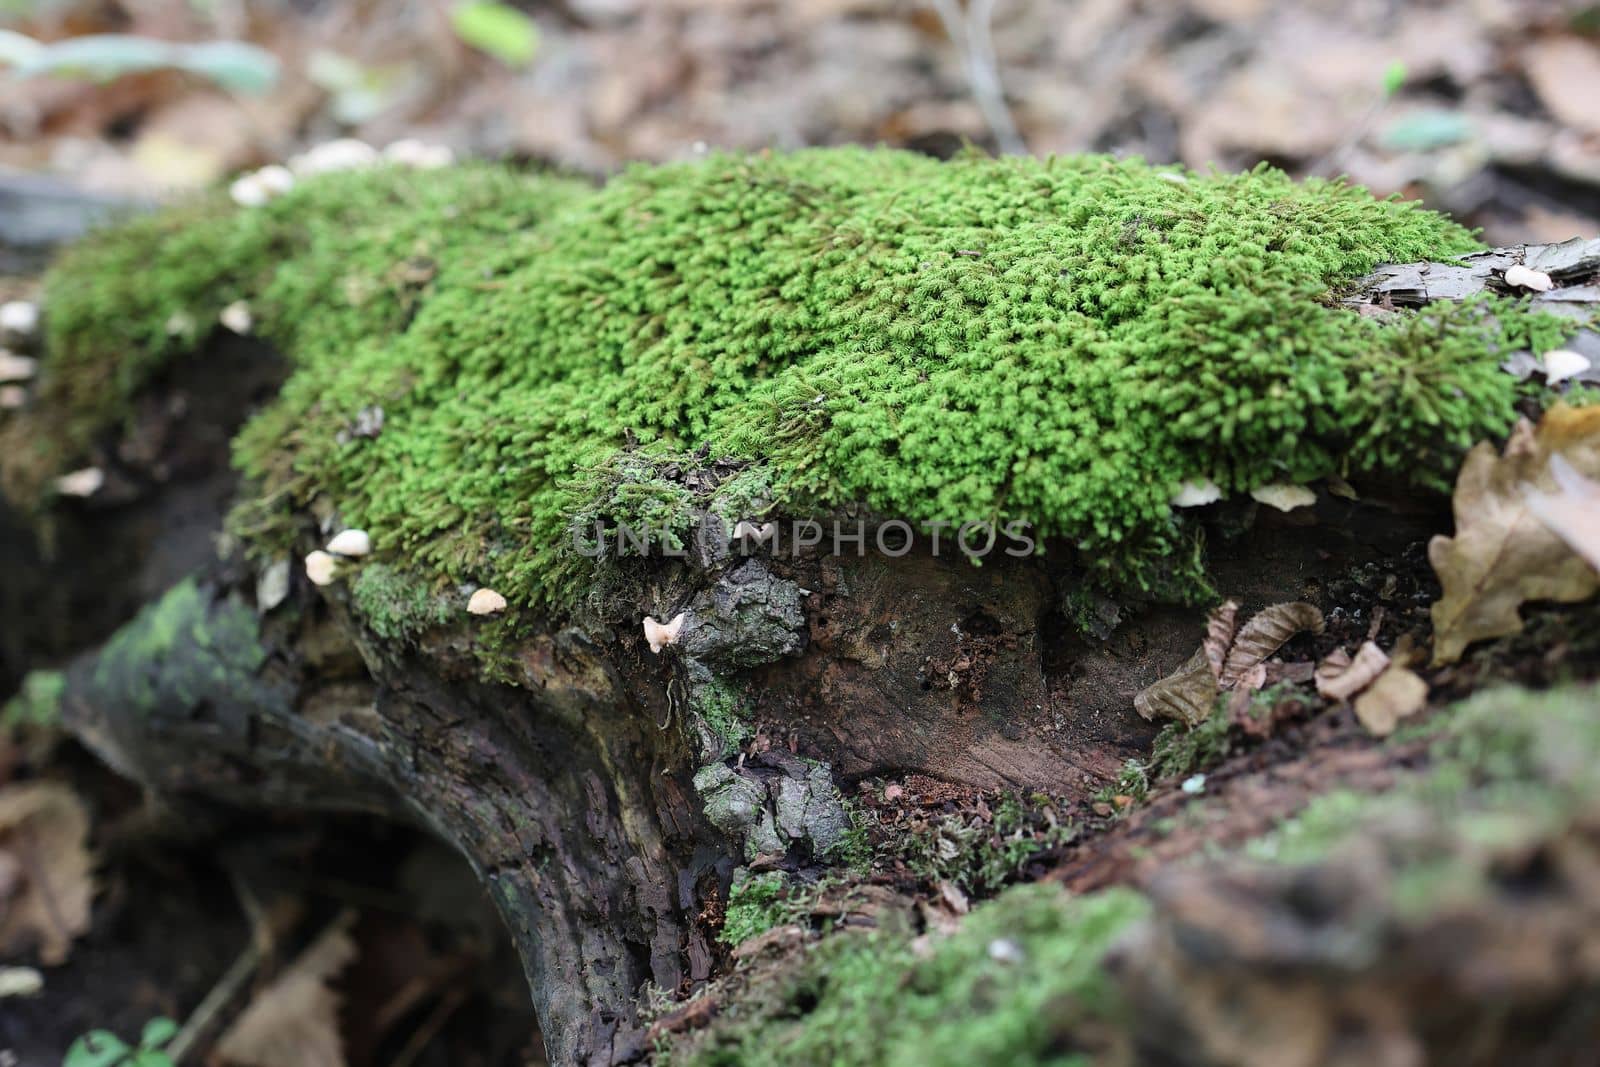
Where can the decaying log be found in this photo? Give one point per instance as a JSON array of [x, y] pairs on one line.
[[575, 783]]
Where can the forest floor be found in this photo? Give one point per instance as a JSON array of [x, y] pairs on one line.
[[1484, 110]]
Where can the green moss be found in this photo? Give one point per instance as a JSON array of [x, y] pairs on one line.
[[1506, 761], [756, 903], [723, 707], [1132, 782], [1059, 341], [1020, 983], [37, 703], [854, 850], [397, 606], [1180, 749], [181, 652], [982, 855]]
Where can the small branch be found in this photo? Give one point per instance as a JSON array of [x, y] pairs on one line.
[[222, 994]]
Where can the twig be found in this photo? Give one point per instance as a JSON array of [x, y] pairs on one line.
[[222, 994], [971, 35], [430, 1028]]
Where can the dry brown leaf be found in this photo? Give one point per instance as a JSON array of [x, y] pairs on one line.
[[1264, 634], [1221, 625], [1339, 677], [46, 868], [294, 1022], [1572, 511], [1398, 693], [1502, 553], [1565, 71], [1225, 660], [1187, 694], [1239, 700]]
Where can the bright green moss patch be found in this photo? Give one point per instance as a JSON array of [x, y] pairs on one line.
[[756, 903], [1020, 983], [1059, 341]]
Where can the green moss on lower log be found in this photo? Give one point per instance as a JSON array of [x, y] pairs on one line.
[[1506, 761], [182, 651], [1059, 341], [1023, 981], [1020, 983]]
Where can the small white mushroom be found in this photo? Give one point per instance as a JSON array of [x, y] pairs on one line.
[[1341, 488], [1196, 493], [351, 543], [83, 483], [345, 153], [15, 368], [745, 529], [659, 634], [486, 602], [1559, 365], [410, 152], [1005, 950], [321, 567], [1284, 497], [20, 982], [236, 317], [272, 586], [248, 191], [19, 317], [1520, 277], [12, 397], [275, 179]]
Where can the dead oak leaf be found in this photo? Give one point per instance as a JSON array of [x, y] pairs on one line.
[[46, 883], [1572, 511], [294, 1021], [1503, 554]]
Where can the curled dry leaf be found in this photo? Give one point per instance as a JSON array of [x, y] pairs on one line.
[[294, 1021], [1221, 625], [1503, 554], [1187, 694], [1398, 693], [1264, 634], [1226, 660], [44, 833], [1339, 677]]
